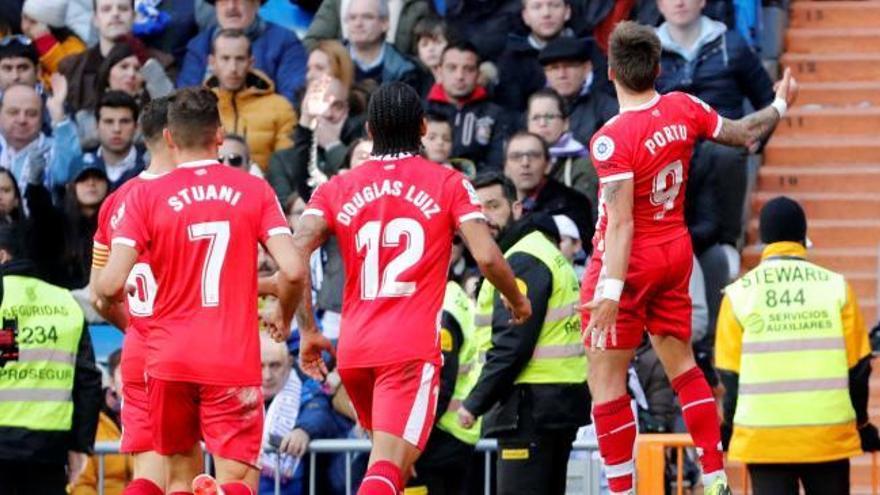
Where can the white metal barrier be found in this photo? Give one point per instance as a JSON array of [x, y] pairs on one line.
[[589, 476]]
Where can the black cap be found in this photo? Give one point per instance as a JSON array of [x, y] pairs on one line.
[[91, 170], [783, 219], [566, 48]]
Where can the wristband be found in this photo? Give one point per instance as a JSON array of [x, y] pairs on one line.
[[780, 106], [612, 288]]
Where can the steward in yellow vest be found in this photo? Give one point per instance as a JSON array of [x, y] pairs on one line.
[[793, 354], [50, 388], [444, 465], [532, 385]]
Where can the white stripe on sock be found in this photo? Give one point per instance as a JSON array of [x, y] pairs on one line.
[[383, 480], [697, 403]]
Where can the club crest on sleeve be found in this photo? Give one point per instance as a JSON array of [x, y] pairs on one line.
[[603, 148]]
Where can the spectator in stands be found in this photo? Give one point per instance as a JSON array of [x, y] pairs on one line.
[[479, 125], [519, 72], [117, 155], [805, 334], [485, 23], [569, 71], [11, 205], [569, 159], [527, 158], [248, 103], [704, 58], [235, 153], [276, 51], [169, 25], [570, 244], [431, 35], [330, 58], [19, 62], [43, 21], [22, 145], [661, 412], [320, 141], [127, 68], [113, 19], [118, 469], [437, 140], [331, 22], [62, 235], [367, 21]]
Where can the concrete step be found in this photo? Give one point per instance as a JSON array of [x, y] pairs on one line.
[[833, 40], [814, 121], [836, 259], [785, 180], [827, 67], [784, 150], [839, 94], [827, 205], [834, 14], [835, 233]]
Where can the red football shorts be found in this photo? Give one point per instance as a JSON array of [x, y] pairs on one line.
[[228, 418], [399, 399], [137, 433], [655, 293]]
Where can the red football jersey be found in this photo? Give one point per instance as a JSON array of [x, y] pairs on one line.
[[394, 219], [139, 304], [652, 145], [200, 225]]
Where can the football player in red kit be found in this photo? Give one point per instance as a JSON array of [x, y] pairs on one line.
[[639, 274], [200, 225], [395, 217]]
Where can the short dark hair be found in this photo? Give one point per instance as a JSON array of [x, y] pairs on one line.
[[230, 34], [436, 118], [193, 117], [17, 49], [462, 46], [526, 134], [95, 6], [154, 118], [551, 94], [495, 178], [117, 99], [12, 240], [394, 117], [634, 55]]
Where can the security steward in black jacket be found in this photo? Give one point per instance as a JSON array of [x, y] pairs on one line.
[[50, 388], [532, 387]]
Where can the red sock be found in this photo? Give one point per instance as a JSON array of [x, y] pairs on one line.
[[382, 478], [236, 488], [616, 432], [701, 417], [142, 486], [180, 493]]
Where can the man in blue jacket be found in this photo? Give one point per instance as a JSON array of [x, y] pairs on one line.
[[276, 51]]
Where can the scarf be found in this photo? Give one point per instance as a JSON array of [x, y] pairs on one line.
[[280, 419]]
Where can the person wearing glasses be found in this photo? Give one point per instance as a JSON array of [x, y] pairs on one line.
[[234, 152], [547, 116], [526, 162]]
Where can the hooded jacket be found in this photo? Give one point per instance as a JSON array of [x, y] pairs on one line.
[[479, 127], [256, 112], [277, 52], [721, 69]]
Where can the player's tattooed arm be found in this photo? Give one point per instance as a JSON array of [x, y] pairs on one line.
[[618, 199], [749, 130], [311, 232]]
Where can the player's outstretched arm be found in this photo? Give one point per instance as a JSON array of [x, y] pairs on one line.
[[311, 232], [495, 268], [618, 199], [754, 128], [111, 280]]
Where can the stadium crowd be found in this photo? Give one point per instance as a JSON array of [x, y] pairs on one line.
[[517, 87]]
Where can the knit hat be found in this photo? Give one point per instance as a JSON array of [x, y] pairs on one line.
[[783, 219], [49, 12]]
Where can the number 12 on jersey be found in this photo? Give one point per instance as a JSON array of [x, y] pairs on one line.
[[373, 236]]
